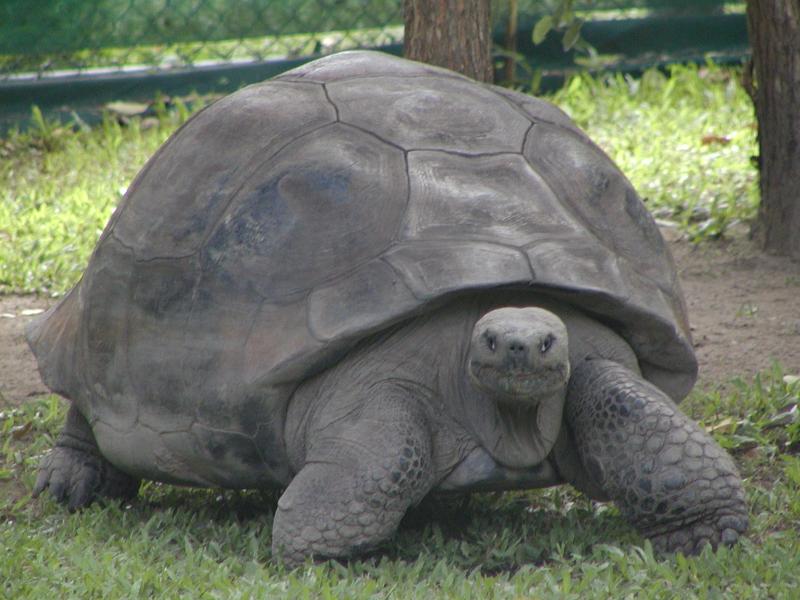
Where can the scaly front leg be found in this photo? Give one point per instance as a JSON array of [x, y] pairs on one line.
[[359, 478], [668, 476]]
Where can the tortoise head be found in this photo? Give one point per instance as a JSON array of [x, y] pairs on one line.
[[519, 355]]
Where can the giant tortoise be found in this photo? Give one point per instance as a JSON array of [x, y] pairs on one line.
[[367, 280]]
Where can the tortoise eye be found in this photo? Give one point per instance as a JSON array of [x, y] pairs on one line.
[[547, 343], [491, 341]]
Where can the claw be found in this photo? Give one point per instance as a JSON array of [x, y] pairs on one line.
[[42, 479], [58, 487], [719, 530], [75, 478], [82, 491], [70, 476]]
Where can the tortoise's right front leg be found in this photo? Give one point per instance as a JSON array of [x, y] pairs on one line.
[[76, 473], [359, 478]]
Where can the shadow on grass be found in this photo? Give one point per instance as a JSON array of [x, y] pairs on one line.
[[487, 533]]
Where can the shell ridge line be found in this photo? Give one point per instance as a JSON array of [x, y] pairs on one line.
[[438, 242], [306, 79], [375, 135], [125, 246], [253, 322], [462, 154], [332, 103], [396, 236], [522, 112], [525, 139], [534, 120], [151, 259]]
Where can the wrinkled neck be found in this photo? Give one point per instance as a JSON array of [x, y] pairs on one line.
[[528, 433], [515, 435]]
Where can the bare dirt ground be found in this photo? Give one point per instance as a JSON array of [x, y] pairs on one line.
[[744, 309]]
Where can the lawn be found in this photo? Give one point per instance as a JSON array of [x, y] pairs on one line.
[[685, 142]]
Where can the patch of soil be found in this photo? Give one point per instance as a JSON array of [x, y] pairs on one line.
[[744, 308], [19, 377]]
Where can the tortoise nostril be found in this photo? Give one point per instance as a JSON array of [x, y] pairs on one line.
[[517, 348]]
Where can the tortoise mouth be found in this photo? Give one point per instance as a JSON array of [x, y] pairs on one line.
[[526, 385]]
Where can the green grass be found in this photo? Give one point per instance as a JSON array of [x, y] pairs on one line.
[[173, 542], [685, 141], [59, 186]]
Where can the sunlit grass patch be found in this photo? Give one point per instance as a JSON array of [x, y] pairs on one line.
[[58, 188], [685, 141]]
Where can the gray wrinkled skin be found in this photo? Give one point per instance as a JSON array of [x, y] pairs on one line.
[[367, 280]]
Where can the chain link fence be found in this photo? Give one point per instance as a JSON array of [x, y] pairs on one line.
[[42, 36], [73, 57]]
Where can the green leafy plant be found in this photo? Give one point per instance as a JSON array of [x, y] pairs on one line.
[[684, 138], [562, 19]]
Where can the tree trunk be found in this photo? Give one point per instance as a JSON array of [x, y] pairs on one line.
[[455, 34], [774, 27]]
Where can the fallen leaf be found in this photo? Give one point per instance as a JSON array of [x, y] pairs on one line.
[[715, 139], [18, 432], [727, 425], [127, 109], [752, 453], [148, 123]]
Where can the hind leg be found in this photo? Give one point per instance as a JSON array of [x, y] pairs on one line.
[[667, 475], [76, 473]]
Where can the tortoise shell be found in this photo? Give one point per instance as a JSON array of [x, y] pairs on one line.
[[284, 223]]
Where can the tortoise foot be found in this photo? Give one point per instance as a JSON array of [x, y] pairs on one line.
[[75, 472], [722, 529], [76, 478]]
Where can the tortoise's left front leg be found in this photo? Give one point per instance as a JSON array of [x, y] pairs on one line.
[[667, 475]]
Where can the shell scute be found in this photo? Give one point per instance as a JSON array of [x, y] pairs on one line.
[[496, 198], [431, 113], [188, 183], [323, 205], [434, 269]]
